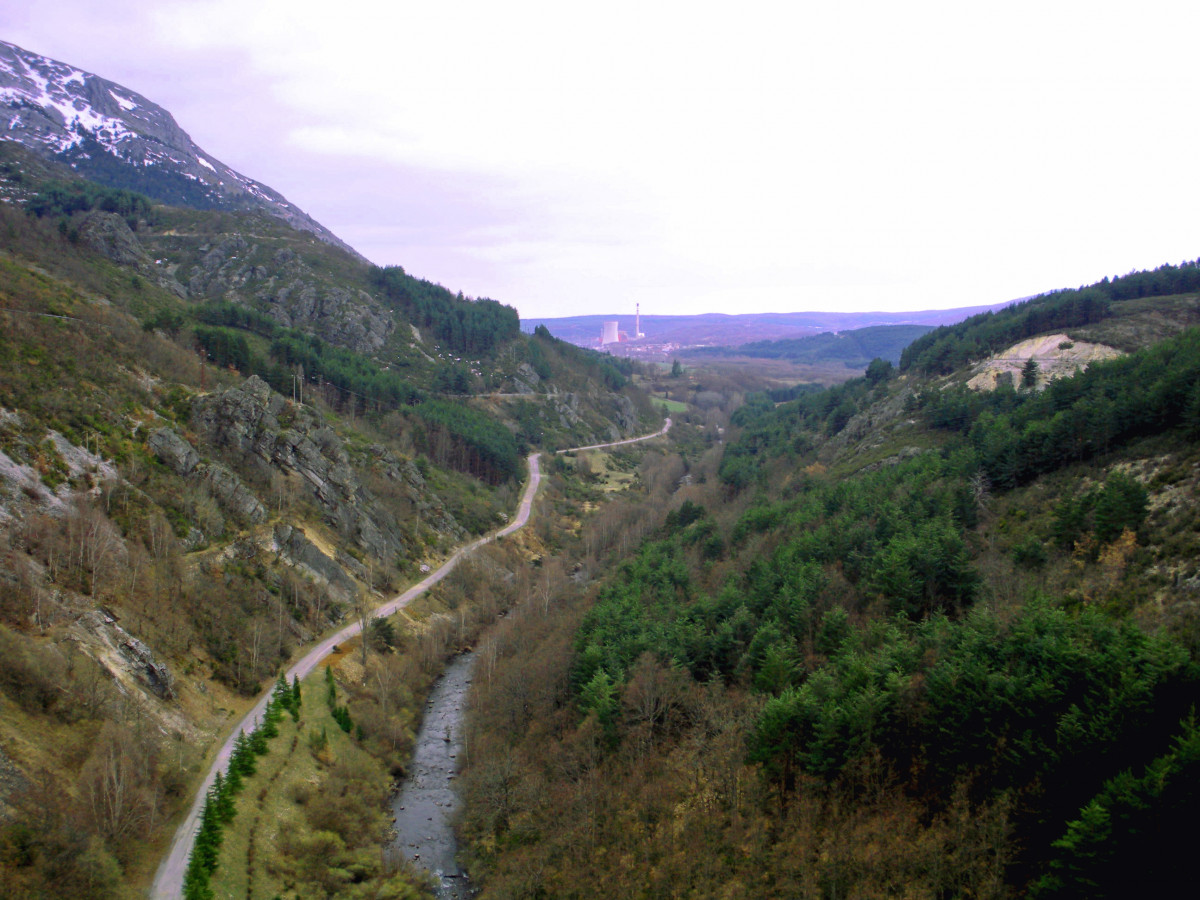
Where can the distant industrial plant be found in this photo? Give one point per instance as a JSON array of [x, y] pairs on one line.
[[610, 332]]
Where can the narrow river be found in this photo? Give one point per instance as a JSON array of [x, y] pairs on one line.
[[426, 805], [168, 880]]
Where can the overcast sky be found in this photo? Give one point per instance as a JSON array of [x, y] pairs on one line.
[[571, 158]]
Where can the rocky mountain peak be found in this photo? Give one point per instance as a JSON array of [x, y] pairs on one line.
[[114, 135]]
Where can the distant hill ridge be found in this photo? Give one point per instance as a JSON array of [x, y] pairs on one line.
[[725, 330], [948, 348], [855, 348]]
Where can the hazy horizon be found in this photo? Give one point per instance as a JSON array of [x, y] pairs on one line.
[[874, 158], [790, 312]]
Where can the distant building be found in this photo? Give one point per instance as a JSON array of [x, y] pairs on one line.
[[609, 333]]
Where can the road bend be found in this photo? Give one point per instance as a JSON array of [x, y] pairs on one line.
[[168, 881], [645, 437]]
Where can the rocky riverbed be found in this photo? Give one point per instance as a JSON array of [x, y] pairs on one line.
[[426, 805]]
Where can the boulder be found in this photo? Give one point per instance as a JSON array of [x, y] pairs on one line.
[[178, 455], [110, 236]]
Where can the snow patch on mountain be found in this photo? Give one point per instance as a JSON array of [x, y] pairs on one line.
[[57, 110], [124, 102]]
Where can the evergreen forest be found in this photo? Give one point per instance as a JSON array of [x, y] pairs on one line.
[[897, 636]]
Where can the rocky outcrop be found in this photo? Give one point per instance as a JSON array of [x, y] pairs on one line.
[[127, 660], [221, 268], [566, 405], [255, 426], [293, 545], [181, 458], [234, 497], [155, 675], [525, 380], [286, 288], [348, 319], [624, 415], [406, 475], [110, 236], [177, 454]]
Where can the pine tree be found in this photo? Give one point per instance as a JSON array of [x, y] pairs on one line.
[[242, 759], [295, 704], [1029, 374], [222, 798]]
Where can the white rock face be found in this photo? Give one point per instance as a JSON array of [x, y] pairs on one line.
[[1057, 357]]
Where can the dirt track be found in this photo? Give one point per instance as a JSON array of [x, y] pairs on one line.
[[168, 881]]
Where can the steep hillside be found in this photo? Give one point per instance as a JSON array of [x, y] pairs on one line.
[[904, 638], [951, 346], [255, 292], [219, 437]]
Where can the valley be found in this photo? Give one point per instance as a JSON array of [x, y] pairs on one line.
[[169, 881], [855, 605], [221, 526]]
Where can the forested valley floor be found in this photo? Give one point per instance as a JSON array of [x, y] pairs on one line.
[[895, 638]]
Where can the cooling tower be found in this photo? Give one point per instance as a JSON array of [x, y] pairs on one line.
[[608, 332]]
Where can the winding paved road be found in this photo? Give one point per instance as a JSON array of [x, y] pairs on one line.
[[168, 881]]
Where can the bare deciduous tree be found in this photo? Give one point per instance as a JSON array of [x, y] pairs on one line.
[[118, 783]]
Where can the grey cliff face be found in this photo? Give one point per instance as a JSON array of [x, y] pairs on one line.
[[181, 458], [67, 114], [292, 544], [257, 426], [285, 287]]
